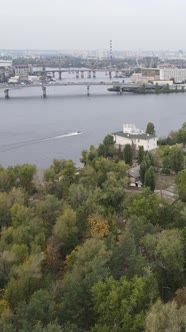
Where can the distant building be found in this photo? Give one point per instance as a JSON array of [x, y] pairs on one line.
[[176, 74], [135, 137], [5, 63], [23, 71], [138, 78]]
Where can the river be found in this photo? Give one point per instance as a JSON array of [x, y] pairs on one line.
[[34, 130]]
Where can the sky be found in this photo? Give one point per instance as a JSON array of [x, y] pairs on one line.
[[91, 24]]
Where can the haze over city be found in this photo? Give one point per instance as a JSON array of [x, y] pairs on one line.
[[60, 24]]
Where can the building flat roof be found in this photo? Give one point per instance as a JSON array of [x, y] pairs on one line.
[[143, 136]]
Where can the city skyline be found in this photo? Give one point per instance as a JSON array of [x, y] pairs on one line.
[[59, 25]]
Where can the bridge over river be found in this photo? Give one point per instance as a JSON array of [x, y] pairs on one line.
[[91, 72], [44, 86], [121, 86]]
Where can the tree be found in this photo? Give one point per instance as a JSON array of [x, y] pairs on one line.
[[113, 191], [181, 185], [146, 204], [165, 251], [141, 154], [150, 129], [128, 154], [88, 265], [48, 209], [65, 231], [108, 143], [49, 174], [176, 158], [98, 226], [25, 281], [127, 259], [180, 297], [5, 181], [78, 193], [150, 178], [101, 150], [165, 317], [57, 165], [145, 164], [120, 305], [26, 173]]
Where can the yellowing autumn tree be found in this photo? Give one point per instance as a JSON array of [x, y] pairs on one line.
[[98, 226]]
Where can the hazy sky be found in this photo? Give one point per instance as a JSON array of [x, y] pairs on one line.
[[90, 24]]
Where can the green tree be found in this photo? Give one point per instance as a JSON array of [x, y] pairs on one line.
[[108, 143], [135, 203], [150, 129], [26, 174], [49, 174], [120, 305], [181, 184], [165, 251], [48, 209], [101, 150], [176, 158], [5, 181], [65, 231], [113, 191], [165, 317], [25, 281], [128, 154], [85, 267], [141, 154], [5, 205], [150, 178]]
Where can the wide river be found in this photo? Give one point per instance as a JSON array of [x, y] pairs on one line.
[[36, 130]]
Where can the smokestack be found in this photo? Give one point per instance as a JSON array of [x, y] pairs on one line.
[[110, 53]]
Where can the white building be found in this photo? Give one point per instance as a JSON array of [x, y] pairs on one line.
[[179, 75], [14, 80], [136, 137], [5, 63]]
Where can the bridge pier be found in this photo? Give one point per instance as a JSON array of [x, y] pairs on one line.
[[88, 90], [44, 91], [89, 74], [6, 92], [77, 74], [60, 75], [82, 74]]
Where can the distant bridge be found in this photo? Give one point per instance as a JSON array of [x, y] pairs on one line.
[[122, 87], [91, 72], [44, 86]]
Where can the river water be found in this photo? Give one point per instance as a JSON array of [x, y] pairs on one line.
[[36, 130]]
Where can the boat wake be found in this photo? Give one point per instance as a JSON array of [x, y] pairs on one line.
[[61, 136], [18, 145]]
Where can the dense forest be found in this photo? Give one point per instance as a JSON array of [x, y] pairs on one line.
[[81, 251]]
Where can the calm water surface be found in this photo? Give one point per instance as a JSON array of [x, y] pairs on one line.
[[32, 128]]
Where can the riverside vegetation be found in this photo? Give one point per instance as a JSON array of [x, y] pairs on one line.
[[80, 252], [149, 89]]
